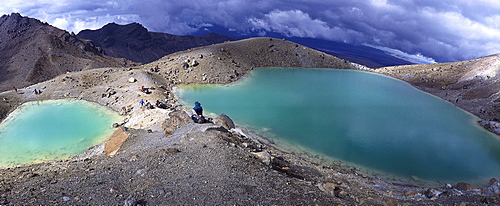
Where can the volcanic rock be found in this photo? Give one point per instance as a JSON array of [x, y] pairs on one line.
[[493, 188], [225, 121], [463, 186], [177, 118], [115, 142]]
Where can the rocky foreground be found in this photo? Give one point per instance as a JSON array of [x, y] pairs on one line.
[[160, 157]]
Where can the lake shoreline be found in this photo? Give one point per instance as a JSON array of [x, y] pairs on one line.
[[279, 108], [87, 124]]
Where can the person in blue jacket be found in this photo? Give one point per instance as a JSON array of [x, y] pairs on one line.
[[198, 113]]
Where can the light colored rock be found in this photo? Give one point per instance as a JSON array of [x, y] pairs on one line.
[[264, 156], [132, 80], [147, 118], [115, 142], [177, 118], [327, 187], [493, 188]]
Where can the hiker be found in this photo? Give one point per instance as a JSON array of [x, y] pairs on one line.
[[38, 91], [198, 113], [160, 104], [145, 90], [198, 109], [15, 88], [141, 102], [148, 105], [156, 69]]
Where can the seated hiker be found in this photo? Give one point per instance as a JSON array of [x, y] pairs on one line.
[[198, 113], [160, 104], [148, 105], [156, 69], [145, 90]]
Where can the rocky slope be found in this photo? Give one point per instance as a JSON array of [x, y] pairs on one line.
[[136, 43], [167, 159], [32, 51]]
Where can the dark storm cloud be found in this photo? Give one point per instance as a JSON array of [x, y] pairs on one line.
[[446, 30]]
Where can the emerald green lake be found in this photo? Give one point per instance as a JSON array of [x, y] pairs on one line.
[[52, 130], [371, 121]]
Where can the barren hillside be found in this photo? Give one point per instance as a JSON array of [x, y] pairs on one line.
[[473, 85], [223, 63], [32, 51]]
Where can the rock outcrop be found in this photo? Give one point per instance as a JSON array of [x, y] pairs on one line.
[[115, 142], [177, 118], [225, 121], [493, 188]]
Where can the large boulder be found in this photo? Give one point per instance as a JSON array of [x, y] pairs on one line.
[[264, 156], [463, 186], [115, 142], [493, 187], [225, 121], [177, 118]]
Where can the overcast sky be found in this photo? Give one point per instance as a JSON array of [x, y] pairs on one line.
[[446, 30]]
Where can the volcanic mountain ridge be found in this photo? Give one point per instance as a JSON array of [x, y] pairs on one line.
[[136, 43], [32, 52]]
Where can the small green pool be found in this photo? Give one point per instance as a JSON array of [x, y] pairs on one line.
[[52, 130]]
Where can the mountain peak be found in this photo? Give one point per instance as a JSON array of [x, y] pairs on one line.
[[13, 22], [32, 51], [115, 25], [134, 42], [12, 15]]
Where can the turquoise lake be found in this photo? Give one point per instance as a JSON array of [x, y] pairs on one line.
[[371, 121], [53, 130]]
